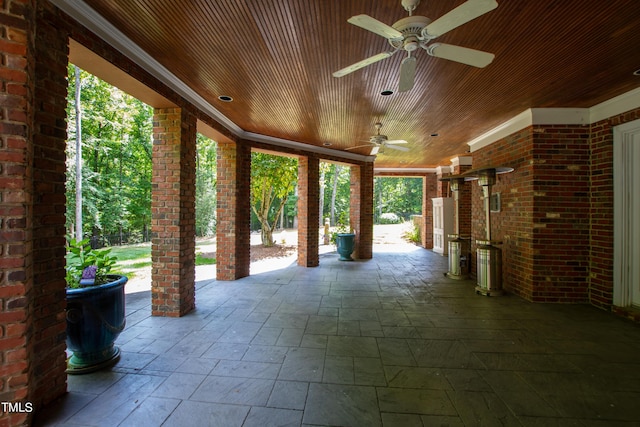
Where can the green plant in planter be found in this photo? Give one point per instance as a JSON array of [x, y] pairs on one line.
[[341, 228], [95, 308], [87, 266], [344, 238]]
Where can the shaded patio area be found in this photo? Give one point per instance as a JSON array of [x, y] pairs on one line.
[[387, 341]]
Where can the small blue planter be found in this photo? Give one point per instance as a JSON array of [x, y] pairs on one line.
[[95, 318], [345, 242]]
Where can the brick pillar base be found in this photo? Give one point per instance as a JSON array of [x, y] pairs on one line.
[[361, 209], [429, 190], [233, 227], [308, 211], [173, 213]]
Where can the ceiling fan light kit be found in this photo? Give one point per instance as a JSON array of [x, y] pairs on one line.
[[414, 32]]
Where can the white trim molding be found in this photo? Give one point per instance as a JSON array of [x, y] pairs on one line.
[[461, 161], [559, 116], [614, 106], [285, 143], [407, 171]]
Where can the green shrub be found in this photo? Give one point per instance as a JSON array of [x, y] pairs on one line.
[[81, 256], [390, 218], [412, 235]]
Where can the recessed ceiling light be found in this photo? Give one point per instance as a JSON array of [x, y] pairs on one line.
[[637, 72], [386, 92], [326, 144], [225, 98]]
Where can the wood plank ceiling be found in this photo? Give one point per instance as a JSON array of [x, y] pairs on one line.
[[275, 58]]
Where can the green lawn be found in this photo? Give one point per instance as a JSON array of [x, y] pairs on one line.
[[134, 257], [132, 252], [131, 257]]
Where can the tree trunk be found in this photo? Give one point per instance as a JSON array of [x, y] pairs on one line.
[[333, 194], [78, 157], [267, 236], [322, 175]]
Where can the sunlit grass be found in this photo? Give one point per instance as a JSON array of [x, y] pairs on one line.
[[140, 254], [140, 251], [201, 260]]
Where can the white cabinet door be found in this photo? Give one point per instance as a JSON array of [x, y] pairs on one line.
[[442, 223]]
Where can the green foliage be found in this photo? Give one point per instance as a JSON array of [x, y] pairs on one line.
[[202, 260], [116, 153], [402, 196], [413, 234], [273, 179], [337, 192], [80, 256], [132, 252], [342, 227], [206, 167]]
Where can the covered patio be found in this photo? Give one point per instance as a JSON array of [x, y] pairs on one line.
[[384, 340], [387, 341]]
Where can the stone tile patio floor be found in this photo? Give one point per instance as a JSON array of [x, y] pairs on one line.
[[388, 341]]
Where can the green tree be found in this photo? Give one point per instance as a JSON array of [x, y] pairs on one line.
[[205, 186], [337, 192], [116, 152], [273, 179], [401, 196]]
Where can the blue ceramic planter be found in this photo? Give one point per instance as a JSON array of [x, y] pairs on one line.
[[95, 318], [345, 242]]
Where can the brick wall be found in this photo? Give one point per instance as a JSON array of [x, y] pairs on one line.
[[173, 213], [233, 211], [308, 211], [544, 219]]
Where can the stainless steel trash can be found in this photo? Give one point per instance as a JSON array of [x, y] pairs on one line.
[[489, 268], [458, 257]]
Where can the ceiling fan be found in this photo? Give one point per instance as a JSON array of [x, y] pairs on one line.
[[379, 142], [415, 32]]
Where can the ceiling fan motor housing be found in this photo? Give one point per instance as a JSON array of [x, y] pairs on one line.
[[411, 28]]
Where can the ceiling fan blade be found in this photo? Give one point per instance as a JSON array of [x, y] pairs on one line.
[[464, 55], [354, 67], [374, 150], [395, 147], [407, 74], [396, 141], [462, 14], [375, 26]]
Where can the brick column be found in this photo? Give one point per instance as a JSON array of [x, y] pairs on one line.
[[173, 213], [429, 190], [361, 209], [308, 211], [32, 209], [233, 227]]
